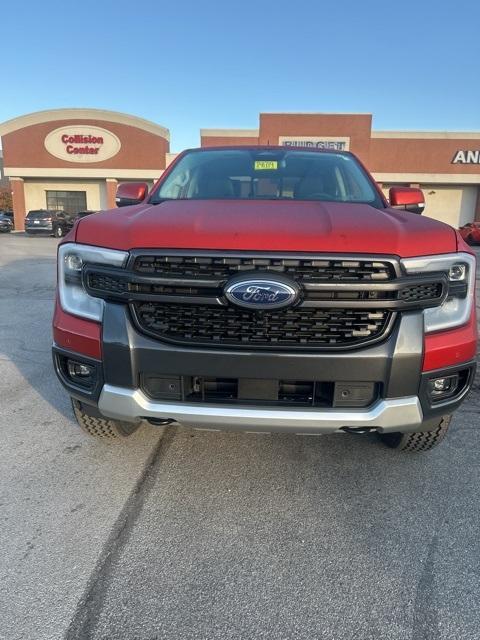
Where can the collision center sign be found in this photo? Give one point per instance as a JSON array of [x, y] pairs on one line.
[[82, 143], [316, 142]]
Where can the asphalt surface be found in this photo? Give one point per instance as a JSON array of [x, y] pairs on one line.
[[182, 534]]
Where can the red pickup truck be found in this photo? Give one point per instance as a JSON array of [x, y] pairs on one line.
[[266, 289]]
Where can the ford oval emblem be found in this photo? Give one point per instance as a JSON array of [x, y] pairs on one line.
[[261, 293]]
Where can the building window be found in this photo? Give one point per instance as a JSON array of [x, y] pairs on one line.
[[69, 201]]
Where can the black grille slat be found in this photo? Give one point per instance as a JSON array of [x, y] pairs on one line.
[[111, 284], [102, 282], [294, 327], [421, 292], [301, 269], [175, 287]]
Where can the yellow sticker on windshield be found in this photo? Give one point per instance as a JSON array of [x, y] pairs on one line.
[[266, 165]]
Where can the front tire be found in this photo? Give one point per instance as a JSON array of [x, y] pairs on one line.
[[100, 427], [417, 442], [58, 232]]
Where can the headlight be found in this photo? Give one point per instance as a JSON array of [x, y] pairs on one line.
[[456, 309], [73, 297]]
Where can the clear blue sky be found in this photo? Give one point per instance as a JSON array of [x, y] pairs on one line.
[[205, 64]]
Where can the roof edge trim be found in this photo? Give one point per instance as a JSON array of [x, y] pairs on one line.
[[52, 115]]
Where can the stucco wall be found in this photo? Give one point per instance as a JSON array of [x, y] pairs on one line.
[[225, 141], [420, 155], [450, 205]]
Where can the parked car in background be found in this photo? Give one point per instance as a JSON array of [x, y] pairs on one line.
[[84, 214], [9, 214], [51, 222], [471, 232], [6, 223], [48, 222]]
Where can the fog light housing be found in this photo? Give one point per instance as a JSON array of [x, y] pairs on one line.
[[81, 373], [73, 262], [457, 272], [444, 387]]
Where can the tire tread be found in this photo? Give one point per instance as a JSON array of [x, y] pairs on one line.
[[421, 441], [103, 428]]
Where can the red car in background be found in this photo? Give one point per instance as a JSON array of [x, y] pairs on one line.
[[471, 232]]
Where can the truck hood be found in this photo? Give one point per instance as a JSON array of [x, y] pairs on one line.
[[267, 226]]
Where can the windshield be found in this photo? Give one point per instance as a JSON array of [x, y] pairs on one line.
[[246, 174]]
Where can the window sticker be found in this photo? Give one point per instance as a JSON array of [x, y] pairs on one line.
[[266, 165]]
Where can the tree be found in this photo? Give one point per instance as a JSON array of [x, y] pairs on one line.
[[6, 199]]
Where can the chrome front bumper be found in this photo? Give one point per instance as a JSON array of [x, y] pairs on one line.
[[399, 414]]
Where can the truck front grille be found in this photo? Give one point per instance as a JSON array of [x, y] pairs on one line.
[[344, 301], [218, 325], [300, 269]]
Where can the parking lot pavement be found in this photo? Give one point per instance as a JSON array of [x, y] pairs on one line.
[[62, 497], [218, 535]]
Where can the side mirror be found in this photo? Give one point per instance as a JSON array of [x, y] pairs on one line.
[[131, 193], [407, 198]]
